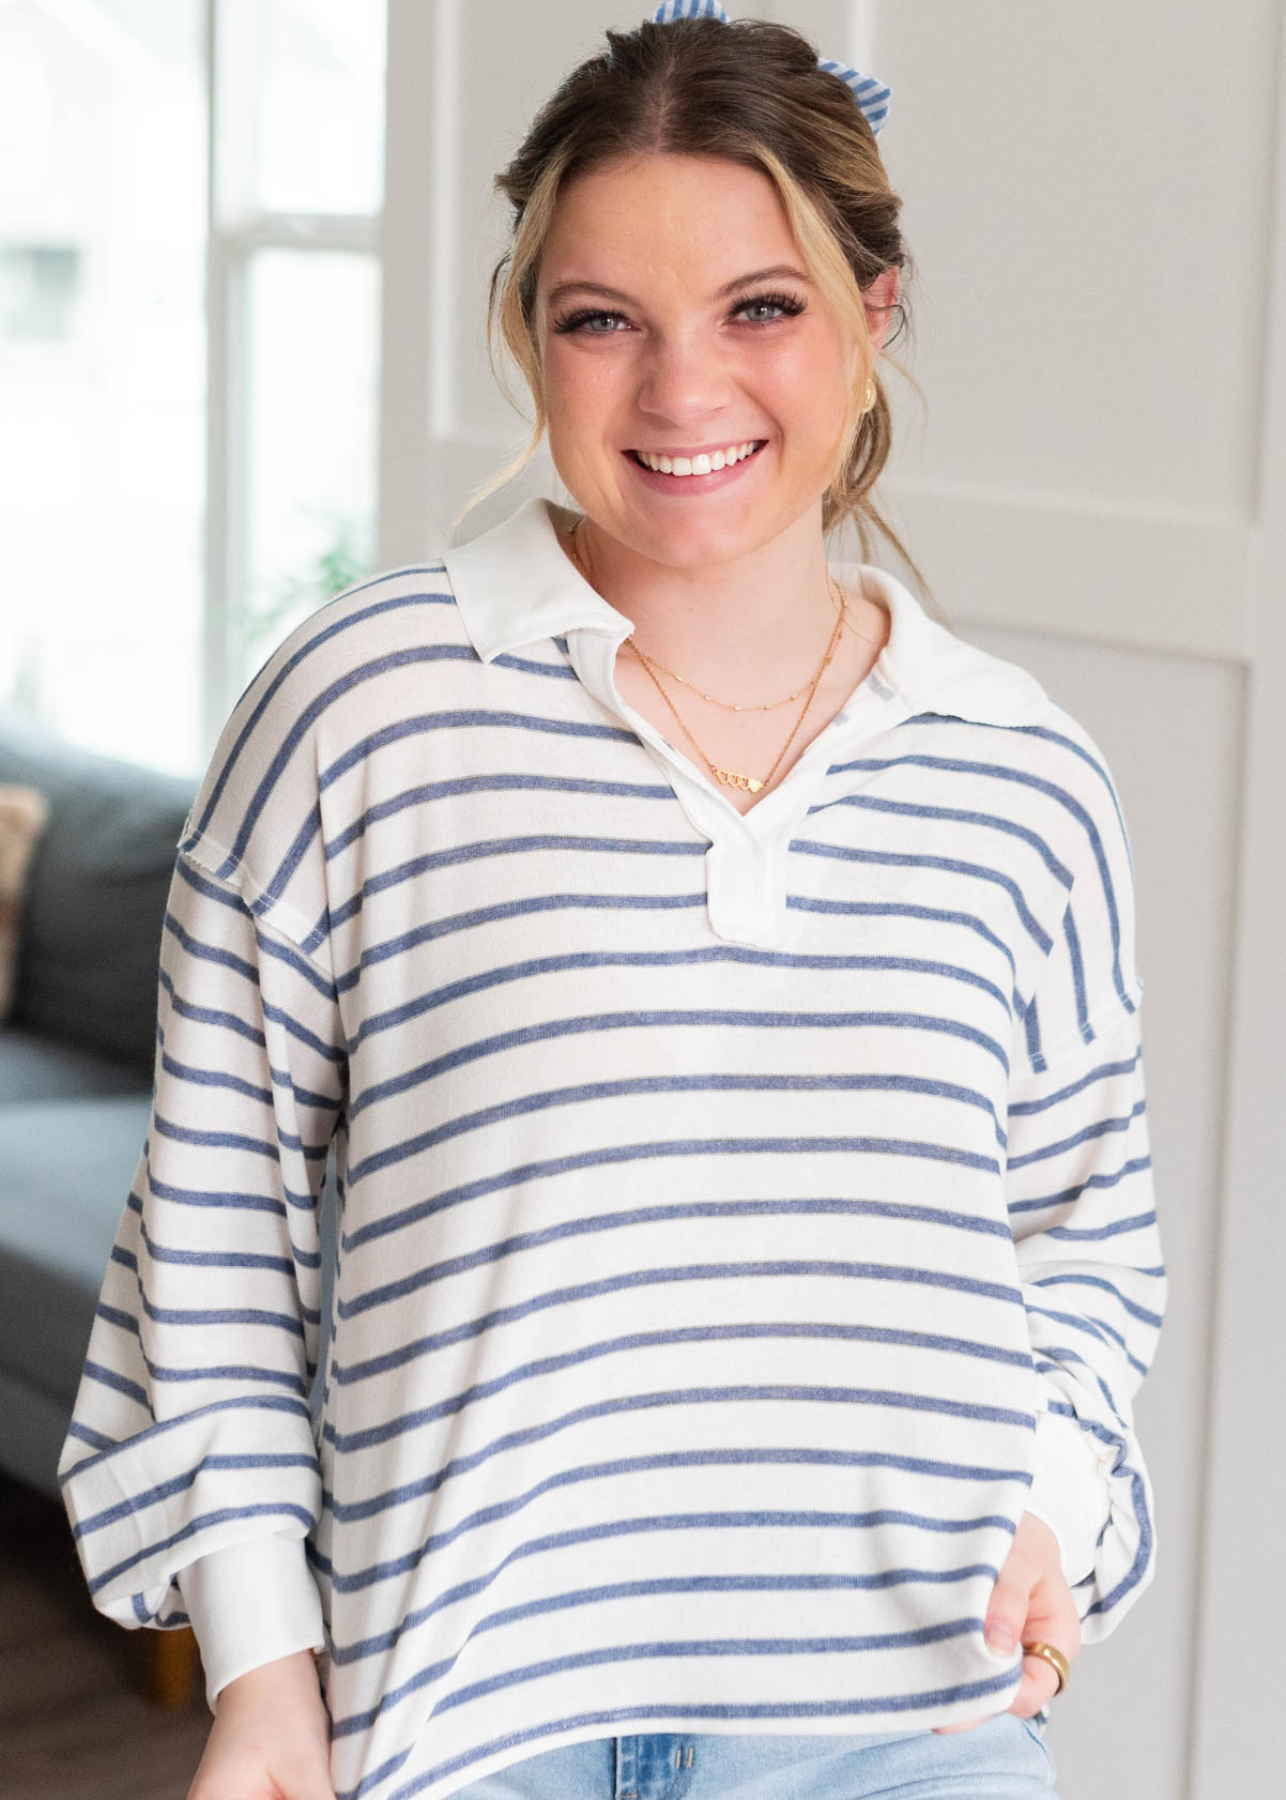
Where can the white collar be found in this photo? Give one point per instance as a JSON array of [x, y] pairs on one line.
[[514, 585]]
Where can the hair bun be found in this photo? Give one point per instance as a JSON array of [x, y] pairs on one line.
[[871, 94]]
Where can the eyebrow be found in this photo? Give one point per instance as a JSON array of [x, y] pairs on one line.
[[777, 272]]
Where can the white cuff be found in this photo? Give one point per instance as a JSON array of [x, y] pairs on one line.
[[1069, 1492], [251, 1603]]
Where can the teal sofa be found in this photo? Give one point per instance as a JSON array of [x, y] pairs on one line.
[[76, 1057]]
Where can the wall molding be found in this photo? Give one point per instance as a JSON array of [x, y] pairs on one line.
[[1150, 579]]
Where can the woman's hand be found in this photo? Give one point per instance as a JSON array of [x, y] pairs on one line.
[[271, 1736], [1034, 1602]]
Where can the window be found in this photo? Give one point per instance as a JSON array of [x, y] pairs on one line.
[[189, 349], [102, 370], [39, 284], [298, 156]]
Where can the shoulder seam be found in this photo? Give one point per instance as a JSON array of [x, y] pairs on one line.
[[265, 916]]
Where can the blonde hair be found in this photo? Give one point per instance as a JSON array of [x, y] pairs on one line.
[[753, 93]]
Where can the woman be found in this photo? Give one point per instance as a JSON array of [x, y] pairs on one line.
[[718, 980]]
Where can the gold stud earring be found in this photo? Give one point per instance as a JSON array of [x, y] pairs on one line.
[[870, 396]]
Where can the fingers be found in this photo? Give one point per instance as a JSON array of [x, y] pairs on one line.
[[1009, 1606], [1039, 1684], [1030, 1603], [1039, 1681]]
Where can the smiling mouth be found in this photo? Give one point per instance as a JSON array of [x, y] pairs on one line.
[[714, 467]]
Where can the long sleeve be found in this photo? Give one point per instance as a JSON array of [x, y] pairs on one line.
[[191, 1436], [1082, 1209]]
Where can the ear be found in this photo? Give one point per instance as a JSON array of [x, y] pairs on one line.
[[880, 297]]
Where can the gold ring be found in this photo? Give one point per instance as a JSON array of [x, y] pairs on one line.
[[1056, 1660]]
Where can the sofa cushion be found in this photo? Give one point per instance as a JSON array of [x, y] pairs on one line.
[[96, 890], [65, 1181], [66, 1176], [34, 1067], [23, 813]]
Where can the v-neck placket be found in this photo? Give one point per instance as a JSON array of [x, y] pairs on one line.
[[747, 863]]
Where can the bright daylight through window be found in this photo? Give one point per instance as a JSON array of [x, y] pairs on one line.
[[188, 459]]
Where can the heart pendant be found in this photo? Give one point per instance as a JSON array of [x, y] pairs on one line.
[[748, 782]]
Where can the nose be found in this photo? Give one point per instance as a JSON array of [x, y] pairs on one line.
[[684, 384]]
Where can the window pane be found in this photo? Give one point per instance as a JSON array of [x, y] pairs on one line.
[[311, 466], [102, 371], [302, 95]]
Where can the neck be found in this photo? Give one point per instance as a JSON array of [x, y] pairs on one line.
[[760, 619]]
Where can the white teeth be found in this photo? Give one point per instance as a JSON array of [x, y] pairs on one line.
[[697, 465]]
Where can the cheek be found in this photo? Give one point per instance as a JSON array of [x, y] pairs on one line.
[[579, 390], [804, 381]]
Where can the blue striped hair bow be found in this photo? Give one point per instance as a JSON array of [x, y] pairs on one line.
[[872, 96]]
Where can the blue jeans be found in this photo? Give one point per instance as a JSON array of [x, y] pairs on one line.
[[1005, 1759]]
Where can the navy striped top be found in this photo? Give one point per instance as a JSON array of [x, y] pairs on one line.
[[743, 1218]]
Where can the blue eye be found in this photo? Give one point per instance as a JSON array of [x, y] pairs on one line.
[[574, 322], [786, 304]]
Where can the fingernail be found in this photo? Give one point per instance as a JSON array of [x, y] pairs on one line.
[[999, 1635]]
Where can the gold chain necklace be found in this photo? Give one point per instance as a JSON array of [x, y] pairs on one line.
[[748, 783]]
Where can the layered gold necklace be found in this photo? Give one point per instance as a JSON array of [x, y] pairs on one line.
[[748, 783]]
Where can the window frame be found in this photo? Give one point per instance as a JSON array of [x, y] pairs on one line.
[[237, 229]]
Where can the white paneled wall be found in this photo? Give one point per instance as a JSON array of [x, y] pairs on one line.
[[1095, 197]]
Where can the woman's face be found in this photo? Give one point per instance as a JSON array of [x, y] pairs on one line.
[[669, 362]]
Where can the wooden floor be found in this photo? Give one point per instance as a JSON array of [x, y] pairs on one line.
[[71, 1726]]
